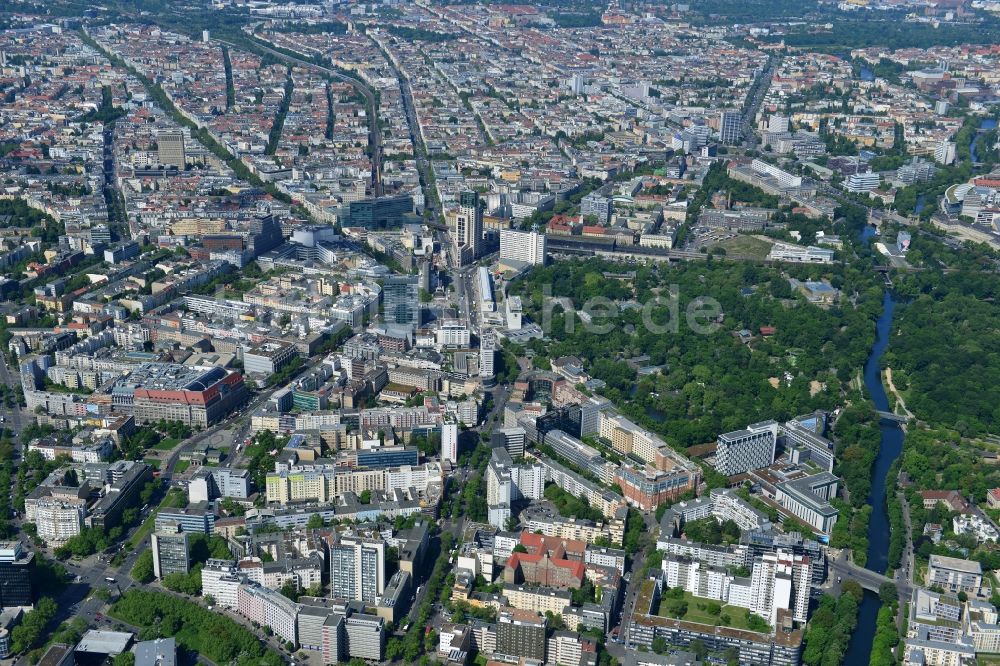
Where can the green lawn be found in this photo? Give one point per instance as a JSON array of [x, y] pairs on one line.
[[174, 499], [167, 443], [181, 466], [746, 246], [152, 462], [697, 612]]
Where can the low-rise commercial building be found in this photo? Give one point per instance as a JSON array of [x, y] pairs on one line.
[[955, 575], [268, 358]]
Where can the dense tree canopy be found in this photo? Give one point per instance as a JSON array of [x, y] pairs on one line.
[[709, 382], [944, 353], [210, 634], [831, 626]]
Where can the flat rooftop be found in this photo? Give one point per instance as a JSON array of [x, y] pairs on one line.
[[171, 377], [104, 642], [955, 564]]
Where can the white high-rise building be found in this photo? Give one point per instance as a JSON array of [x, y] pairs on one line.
[[220, 580], [777, 123], [944, 152], [506, 483], [529, 481], [487, 355], [780, 580], [449, 442], [862, 182], [524, 246], [357, 568], [500, 489]]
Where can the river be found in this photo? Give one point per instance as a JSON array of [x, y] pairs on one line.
[[986, 124], [890, 446]]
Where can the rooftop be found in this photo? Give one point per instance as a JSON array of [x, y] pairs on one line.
[[955, 564], [159, 652], [104, 642], [171, 377]]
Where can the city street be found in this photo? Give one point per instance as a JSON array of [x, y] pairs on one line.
[[13, 417]]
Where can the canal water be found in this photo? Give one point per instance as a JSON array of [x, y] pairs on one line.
[[986, 124], [890, 446]]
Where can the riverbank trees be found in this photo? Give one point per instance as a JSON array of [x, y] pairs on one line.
[[830, 629]]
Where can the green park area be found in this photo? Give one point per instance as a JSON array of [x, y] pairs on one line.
[[677, 603]]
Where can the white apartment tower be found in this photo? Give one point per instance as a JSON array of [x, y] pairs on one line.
[[780, 580], [357, 569], [449, 442], [487, 355]]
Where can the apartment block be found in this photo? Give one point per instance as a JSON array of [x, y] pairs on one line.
[[269, 608], [537, 599], [521, 633], [523, 247], [357, 568]]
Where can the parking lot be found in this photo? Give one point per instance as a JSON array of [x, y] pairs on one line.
[[705, 237]]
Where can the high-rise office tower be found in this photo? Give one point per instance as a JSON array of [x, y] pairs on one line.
[[401, 300], [730, 127], [468, 227], [170, 148], [17, 569], [777, 123], [425, 275], [170, 551], [511, 439], [744, 450]]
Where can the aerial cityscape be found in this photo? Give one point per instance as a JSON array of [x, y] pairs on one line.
[[463, 333]]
